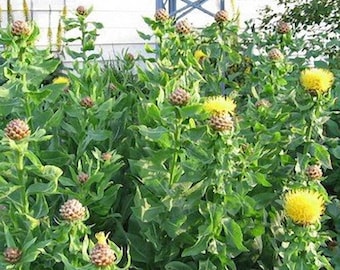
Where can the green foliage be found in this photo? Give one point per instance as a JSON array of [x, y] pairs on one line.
[[148, 163]]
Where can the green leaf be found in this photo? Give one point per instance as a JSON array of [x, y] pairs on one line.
[[8, 236], [40, 207], [190, 110], [207, 265], [234, 233], [200, 246], [336, 151], [261, 179], [144, 36], [98, 135], [141, 251], [57, 158], [4, 92], [49, 188], [175, 265], [39, 97], [55, 119], [321, 153], [5, 191], [152, 134]]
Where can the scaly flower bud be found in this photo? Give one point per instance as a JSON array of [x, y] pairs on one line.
[[221, 122], [275, 54], [12, 255], [106, 156], [221, 16], [183, 27], [314, 172], [83, 177], [162, 15], [17, 129], [102, 255], [20, 28], [179, 97], [87, 102], [72, 210], [81, 10], [283, 27]]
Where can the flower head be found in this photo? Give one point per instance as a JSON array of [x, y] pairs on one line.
[[61, 80], [221, 122], [221, 16], [179, 97], [81, 10], [314, 172], [219, 104], [102, 255], [17, 129], [199, 55], [304, 207], [20, 28], [12, 255], [317, 79], [72, 210], [162, 15]]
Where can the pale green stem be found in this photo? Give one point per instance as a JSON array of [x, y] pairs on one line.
[[22, 180], [177, 136]]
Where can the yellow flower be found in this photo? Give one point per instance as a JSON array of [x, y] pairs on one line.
[[304, 207], [61, 80], [101, 238], [199, 55], [219, 104], [317, 79]]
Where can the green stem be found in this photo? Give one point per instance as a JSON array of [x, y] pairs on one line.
[[22, 181], [177, 136], [309, 132], [83, 36]]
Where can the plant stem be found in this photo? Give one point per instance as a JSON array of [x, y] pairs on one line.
[[21, 177], [177, 136]]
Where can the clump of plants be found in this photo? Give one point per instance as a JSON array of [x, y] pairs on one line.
[[209, 151]]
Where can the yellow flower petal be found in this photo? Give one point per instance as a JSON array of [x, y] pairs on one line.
[[219, 104], [304, 207], [317, 79], [101, 238], [61, 80], [199, 55]]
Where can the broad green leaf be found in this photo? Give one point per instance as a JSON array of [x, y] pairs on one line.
[[199, 247], [234, 233], [207, 265], [321, 153], [46, 188], [175, 265]]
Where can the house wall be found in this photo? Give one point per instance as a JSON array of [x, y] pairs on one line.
[[121, 19]]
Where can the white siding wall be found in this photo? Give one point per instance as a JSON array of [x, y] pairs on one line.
[[121, 18]]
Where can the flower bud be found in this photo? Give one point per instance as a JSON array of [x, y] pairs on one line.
[[102, 255], [183, 27], [314, 172], [221, 16], [87, 102], [12, 255], [162, 15], [221, 122], [179, 97], [20, 28], [17, 129], [72, 210], [81, 10], [83, 177]]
